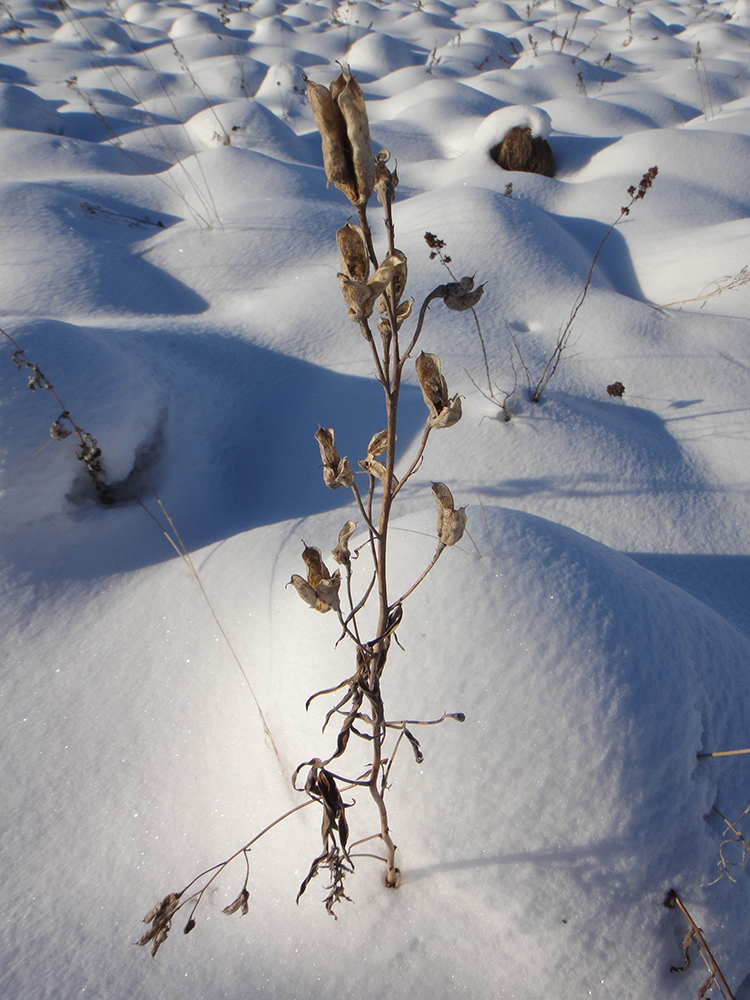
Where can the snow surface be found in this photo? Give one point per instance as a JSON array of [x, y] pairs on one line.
[[181, 294]]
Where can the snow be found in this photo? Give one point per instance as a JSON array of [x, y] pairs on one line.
[[181, 295]]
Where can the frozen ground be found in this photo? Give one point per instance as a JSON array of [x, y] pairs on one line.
[[180, 292]]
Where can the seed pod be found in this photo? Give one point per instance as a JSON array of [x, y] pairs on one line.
[[374, 468], [385, 273], [459, 295], [321, 589], [341, 553], [385, 180], [444, 410], [358, 296], [400, 276], [355, 262], [378, 444], [351, 102], [332, 128], [336, 471], [451, 522]]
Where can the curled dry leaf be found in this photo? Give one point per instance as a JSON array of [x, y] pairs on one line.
[[461, 295], [341, 553], [451, 522], [444, 410]]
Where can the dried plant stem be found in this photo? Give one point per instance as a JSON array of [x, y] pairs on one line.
[[672, 900], [723, 753], [438, 553], [417, 460], [179, 546]]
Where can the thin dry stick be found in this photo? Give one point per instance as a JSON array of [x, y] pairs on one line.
[[181, 550], [674, 900], [725, 284], [723, 753]]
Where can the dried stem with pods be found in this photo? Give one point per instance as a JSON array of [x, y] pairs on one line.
[[372, 286], [87, 450]]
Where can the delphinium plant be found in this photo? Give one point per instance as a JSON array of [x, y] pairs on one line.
[[373, 289]]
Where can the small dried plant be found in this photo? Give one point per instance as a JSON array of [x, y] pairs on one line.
[[538, 385], [87, 450], [371, 286]]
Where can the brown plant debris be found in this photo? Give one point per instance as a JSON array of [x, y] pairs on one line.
[[616, 389], [522, 151]]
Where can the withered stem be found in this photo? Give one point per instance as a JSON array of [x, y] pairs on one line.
[[362, 213], [673, 899], [438, 552], [415, 463]]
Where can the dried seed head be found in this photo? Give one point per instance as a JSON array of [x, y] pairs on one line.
[[451, 522], [461, 295], [341, 553]]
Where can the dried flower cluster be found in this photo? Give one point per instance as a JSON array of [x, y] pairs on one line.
[[370, 286]]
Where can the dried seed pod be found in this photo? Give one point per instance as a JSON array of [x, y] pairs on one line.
[[444, 410], [385, 180], [335, 141], [359, 298], [461, 295], [240, 903], [355, 262], [341, 117], [374, 468], [434, 386], [400, 276], [451, 522], [450, 414], [341, 553], [336, 471], [321, 589], [316, 568], [304, 590], [378, 444], [385, 273], [351, 102]]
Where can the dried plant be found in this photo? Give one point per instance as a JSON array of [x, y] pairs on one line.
[[371, 286], [696, 937], [87, 450], [738, 844], [537, 386]]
